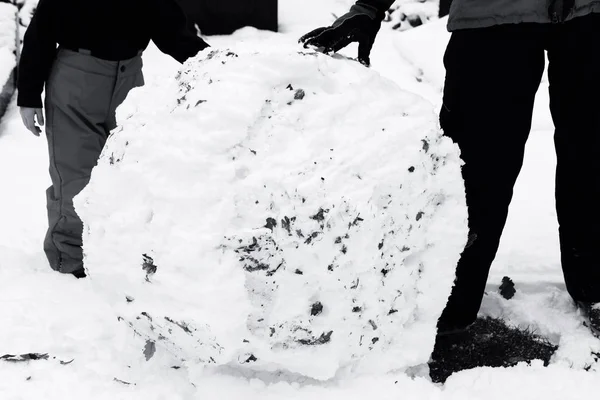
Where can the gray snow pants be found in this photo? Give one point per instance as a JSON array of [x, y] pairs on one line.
[[82, 94]]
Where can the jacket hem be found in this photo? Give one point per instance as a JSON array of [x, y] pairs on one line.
[[487, 22]]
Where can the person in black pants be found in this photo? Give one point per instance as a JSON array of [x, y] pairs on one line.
[[494, 66]]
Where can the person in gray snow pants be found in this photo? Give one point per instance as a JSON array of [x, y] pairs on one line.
[[97, 63], [82, 95], [494, 65]]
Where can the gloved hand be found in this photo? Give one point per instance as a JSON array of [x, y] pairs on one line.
[[28, 115], [360, 25]]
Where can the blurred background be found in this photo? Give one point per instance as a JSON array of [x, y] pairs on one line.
[[224, 17], [211, 17]]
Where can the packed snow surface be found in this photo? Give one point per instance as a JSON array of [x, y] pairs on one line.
[[278, 209]]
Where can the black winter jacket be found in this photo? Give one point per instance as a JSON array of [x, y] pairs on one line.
[[111, 29], [471, 14]]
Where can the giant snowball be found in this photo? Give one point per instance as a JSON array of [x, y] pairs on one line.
[[277, 209]]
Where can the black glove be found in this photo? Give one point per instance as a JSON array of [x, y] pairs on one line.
[[360, 25]]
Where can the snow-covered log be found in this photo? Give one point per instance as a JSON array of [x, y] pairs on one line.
[[277, 209]]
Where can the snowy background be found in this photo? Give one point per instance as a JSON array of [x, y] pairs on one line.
[[8, 40], [93, 355], [8, 53]]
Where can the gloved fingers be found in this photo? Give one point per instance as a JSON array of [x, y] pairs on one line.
[[355, 28], [340, 43], [365, 45], [311, 35], [325, 39], [328, 37], [332, 39]]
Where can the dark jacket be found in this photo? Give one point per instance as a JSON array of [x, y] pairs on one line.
[[111, 29], [469, 14]]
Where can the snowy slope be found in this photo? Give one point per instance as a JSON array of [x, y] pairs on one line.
[[329, 186]]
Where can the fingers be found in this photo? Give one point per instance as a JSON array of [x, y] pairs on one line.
[[365, 45], [30, 125], [356, 28], [340, 43], [33, 128], [25, 119], [329, 37], [331, 40], [28, 118], [336, 37], [39, 113], [311, 35]]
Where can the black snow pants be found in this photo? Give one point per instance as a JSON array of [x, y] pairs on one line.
[[492, 76]]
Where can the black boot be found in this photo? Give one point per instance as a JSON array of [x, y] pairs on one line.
[[591, 313], [447, 326], [80, 273]]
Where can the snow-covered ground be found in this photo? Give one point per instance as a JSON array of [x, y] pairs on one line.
[[93, 356]]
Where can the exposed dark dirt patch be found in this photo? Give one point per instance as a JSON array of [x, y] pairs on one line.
[[487, 343]]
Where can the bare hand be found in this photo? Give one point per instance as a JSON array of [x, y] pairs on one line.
[[29, 116]]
